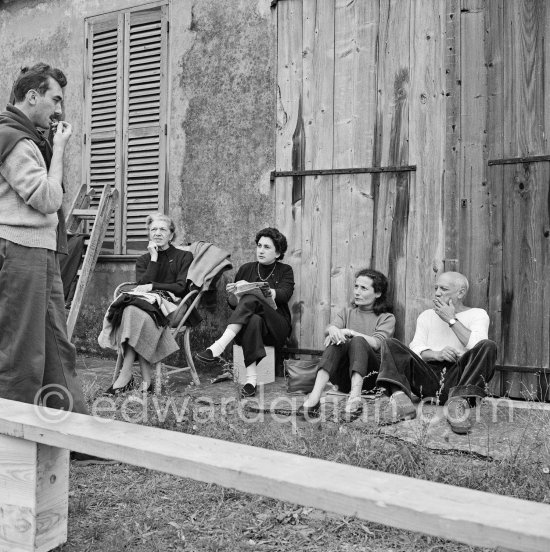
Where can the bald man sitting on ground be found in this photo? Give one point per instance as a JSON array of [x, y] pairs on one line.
[[449, 359]]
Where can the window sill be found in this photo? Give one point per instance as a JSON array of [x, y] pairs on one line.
[[118, 258]]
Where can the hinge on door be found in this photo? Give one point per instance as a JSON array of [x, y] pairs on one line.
[[165, 129], [167, 27], [86, 44], [84, 139]]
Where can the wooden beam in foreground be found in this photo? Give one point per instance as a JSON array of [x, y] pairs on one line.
[[455, 513]]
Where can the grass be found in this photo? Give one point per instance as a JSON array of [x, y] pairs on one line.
[[123, 507]]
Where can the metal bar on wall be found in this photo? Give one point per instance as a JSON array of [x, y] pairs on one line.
[[518, 160], [359, 170]]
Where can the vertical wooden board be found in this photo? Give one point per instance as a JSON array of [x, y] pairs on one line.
[[543, 231], [546, 72], [425, 243], [356, 31], [511, 385], [474, 216], [360, 222], [524, 25], [392, 142], [546, 230], [391, 240], [386, 197], [453, 133], [318, 108], [495, 180], [52, 490], [34, 498], [524, 274], [352, 221], [289, 118], [494, 54], [355, 77]]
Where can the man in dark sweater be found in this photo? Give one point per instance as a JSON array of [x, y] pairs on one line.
[[37, 361]]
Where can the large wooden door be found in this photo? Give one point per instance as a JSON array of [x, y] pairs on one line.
[[520, 288], [517, 250]]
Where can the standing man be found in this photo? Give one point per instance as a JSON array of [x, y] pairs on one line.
[[37, 361], [450, 358]]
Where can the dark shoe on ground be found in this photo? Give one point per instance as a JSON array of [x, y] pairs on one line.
[[81, 459], [119, 390], [248, 390], [309, 411], [207, 356], [459, 415], [394, 409]]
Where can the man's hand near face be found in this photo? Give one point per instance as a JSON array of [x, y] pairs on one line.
[[445, 311], [62, 134]]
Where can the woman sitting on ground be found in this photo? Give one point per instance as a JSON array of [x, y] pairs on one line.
[[254, 323], [163, 269], [351, 359]]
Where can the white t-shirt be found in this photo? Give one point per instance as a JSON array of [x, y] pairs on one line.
[[435, 334]]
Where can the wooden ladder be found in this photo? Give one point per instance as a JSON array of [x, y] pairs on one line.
[[100, 217]]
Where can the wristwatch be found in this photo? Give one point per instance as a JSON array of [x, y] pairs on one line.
[[452, 322]]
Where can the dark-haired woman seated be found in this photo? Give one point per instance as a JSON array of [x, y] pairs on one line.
[[351, 359], [254, 323]]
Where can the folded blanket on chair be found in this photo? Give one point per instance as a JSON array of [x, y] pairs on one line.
[[208, 262]]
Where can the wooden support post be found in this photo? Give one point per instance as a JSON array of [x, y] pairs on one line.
[[34, 499]]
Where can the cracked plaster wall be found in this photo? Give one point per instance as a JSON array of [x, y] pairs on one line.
[[222, 113]]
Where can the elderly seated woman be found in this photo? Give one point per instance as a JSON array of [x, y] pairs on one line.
[[352, 355], [161, 275], [261, 316]]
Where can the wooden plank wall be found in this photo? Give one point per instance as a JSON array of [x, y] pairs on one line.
[[445, 85], [357, 62]]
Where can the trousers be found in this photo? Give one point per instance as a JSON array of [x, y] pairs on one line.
[[262, 325], [37, 360], [355, 355], [468, 376]]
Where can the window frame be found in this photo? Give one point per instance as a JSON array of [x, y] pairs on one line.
[[117, 234]]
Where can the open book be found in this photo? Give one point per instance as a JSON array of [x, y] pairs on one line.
[[257, 289]]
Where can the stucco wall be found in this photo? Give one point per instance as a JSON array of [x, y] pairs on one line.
[[221, 115]]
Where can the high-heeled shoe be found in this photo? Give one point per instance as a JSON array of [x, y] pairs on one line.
[[119, 390], [309, 411]]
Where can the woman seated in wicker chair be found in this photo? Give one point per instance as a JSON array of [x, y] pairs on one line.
[[259, 298], [351, 359], [143, 313]]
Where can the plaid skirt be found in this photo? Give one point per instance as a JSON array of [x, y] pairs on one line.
[[139, 330]]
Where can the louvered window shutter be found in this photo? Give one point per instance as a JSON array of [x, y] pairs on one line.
[[144, 123], [103, 146], [126, 118]]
